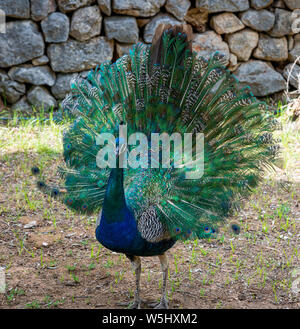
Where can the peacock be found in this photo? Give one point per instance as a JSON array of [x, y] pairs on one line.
[[161, 88]]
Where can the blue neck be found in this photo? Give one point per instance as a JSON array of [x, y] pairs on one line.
[[117, 229], [114, 200]]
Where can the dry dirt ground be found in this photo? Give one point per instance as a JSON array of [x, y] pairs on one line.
[[52, 260]]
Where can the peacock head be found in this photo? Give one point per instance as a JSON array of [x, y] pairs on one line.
[[120, 146], [121, 143]]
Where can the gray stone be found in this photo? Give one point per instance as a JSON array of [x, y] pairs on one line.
[[75, 56], [62, 85], [292, 4], [216, 6], [11, 90], [22, 105], [123, 49], [35, 75], [271, 49], [233, 63], [292, 74], [21, 43], [121, 28], [279, 4], [233, 60], [84, 74], [261, 4], [295, 286], [178, 8], [290, 42], [142, 8], [40, 97], [242, 43], [40, 60], [226, 23], [207, 43], [86, 23], [294, 54], [105, 6], [41, 8], [259, 20], [31, 224], [66, 6], [283, 23], [151, 27], [295, 22], [16, 8], [56, 27], [261, 77]]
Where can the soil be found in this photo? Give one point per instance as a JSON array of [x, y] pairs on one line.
[[52, 259]]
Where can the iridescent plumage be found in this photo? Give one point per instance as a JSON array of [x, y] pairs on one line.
[[164, 87]]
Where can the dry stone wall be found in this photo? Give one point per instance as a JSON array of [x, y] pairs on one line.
[[48, 42]]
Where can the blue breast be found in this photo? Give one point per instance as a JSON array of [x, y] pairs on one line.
[[122, 235]]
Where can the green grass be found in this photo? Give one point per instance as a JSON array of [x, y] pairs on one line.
[[289, 137], [259, 262], [42, 137]]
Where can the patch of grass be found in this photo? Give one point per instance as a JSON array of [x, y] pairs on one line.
[[13, 293], [203, 273], [33, 305]]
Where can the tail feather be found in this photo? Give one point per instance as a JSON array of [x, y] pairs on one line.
[[170, 44], [160, 88], [53, 191]]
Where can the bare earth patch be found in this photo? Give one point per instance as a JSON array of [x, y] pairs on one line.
[[52, 259]]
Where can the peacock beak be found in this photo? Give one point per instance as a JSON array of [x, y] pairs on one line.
[[121, 146]]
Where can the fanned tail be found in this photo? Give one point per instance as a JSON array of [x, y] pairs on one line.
[[167, 88]]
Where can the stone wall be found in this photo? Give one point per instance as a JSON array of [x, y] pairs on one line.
[[47, 42]]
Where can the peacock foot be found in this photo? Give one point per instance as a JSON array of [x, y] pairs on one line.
[[137, 303], [163, 304], [133, 305]]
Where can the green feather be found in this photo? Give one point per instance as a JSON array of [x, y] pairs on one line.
[[183, 93]]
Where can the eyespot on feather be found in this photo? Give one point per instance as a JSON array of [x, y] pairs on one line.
[[40, 184], [55, 192], [235, 228], [69, 201], [35, 170]]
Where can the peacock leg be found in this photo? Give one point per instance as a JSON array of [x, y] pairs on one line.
[[136, 265], [164, 266]]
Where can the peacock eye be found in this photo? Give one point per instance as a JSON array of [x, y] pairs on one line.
[[235, 228], [55, 192], [35, 170], [206, 229]]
